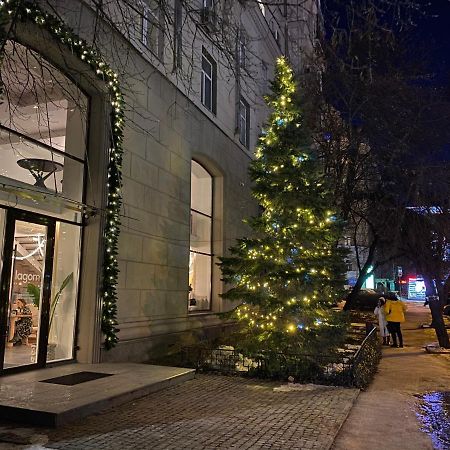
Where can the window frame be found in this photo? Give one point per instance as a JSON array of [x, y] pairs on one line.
[[210, 255], [244, 138], [178, 35], [151, 17], [242, 50], [212, 79], [208, 16], [262, 7], [23, 135]]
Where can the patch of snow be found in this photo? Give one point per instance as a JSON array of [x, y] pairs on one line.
[[434, 347], [295, 387]]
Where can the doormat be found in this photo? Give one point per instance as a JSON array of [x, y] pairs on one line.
[[76, 378]]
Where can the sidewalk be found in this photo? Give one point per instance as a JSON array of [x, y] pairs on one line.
[[218, 412], [208, 412], [384, 417]]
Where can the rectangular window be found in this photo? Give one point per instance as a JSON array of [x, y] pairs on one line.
[[178, 36], [200, 255], [66, 265], [244, 123], [277, 35], [208, 16], [242, 47], [151, 33], [43, 130], [264, 77], [208, 82], [262, 8]]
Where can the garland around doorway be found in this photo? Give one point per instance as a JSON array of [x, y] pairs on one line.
[[17, 10]]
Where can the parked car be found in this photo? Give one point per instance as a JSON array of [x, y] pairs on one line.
[[366, 299]]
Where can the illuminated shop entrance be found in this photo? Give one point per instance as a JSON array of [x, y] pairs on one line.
[[43, 165], [38, 289], [25, 289]]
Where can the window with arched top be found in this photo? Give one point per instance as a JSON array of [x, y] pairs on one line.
[[200, 255]]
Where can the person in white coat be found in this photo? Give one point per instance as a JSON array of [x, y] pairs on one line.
[[382, 322]]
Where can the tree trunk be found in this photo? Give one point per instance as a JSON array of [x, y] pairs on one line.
[[438, 321], [356, 288], [362, 276], [437, 303]]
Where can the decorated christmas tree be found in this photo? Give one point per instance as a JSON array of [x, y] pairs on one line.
[[288, 275]]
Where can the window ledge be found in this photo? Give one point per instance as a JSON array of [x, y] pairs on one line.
[[200, 313]]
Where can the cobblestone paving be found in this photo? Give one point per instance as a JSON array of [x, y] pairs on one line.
[[215, 412], [209, 412]]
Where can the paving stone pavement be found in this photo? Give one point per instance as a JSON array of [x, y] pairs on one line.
[[213, 412], [385, 415]]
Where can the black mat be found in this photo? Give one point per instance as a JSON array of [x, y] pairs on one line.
[[76, 378]]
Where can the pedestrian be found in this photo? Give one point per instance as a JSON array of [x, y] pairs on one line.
[[24, 323], [382, 322], [395, 315]]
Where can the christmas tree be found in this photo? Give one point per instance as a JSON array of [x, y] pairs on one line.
[[289, 274]]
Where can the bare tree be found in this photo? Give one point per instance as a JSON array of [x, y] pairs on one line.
[[425, 239], [372, 113]]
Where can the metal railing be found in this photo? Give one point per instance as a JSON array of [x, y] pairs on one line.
[[366, 359], [345, 368]]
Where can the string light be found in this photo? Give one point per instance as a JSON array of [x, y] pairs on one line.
[[26, 11]]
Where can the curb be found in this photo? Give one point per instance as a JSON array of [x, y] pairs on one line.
[[333, 439]]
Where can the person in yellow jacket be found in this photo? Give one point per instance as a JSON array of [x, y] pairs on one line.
[[395, 315]]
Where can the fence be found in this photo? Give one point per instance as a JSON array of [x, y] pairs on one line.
[[340, 369], [366, 359]]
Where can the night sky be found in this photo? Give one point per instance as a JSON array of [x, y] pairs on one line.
[[433, 33]]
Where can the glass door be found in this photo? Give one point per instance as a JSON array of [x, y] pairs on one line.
[[25, 289]]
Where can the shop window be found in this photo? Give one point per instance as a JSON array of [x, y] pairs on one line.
[[208, 82], [244, 123], [64, 291], [43, 135], [42, 126], [200, 256]]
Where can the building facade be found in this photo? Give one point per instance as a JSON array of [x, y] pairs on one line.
[[192, 77]]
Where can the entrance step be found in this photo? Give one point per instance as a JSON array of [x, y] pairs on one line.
[[58, 395]]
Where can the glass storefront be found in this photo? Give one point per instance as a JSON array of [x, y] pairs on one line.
[[64, 294], [200, 256], [42, 135], [43, 126], [25, 294]]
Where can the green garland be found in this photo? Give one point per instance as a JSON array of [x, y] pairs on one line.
[[26, 11]]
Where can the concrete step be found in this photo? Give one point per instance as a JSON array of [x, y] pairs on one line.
[[30, 398]]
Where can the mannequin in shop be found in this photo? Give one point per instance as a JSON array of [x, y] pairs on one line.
[[23, 323]]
